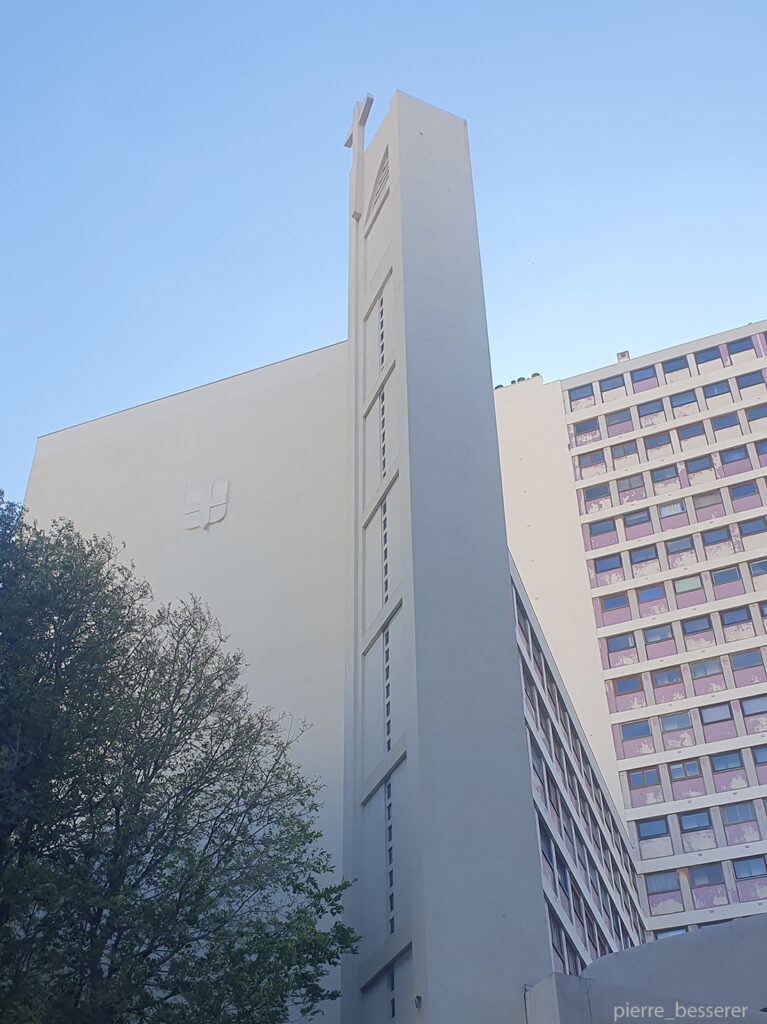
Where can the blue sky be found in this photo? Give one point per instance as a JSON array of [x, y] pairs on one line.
[[170, 168]]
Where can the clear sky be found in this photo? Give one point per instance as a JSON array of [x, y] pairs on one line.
[[173, 183]]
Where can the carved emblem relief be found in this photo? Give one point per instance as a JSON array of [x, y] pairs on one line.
[[206, 505]]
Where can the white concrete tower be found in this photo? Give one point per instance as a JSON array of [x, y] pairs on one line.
[[436, 766]]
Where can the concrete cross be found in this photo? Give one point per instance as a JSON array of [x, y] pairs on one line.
[[206, 505]]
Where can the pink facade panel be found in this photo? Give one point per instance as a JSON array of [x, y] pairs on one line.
[[646, 796], [738, 631], [613, 615], [748, 676], [744, 832], [733, 468], [746, 502], [679, 559], [719, 731], [702, 839], [686, 789], [709, 684], [645, 385], [660, 650], [653, 607], [604, 579], [734, 588], [582, 403], [690, 598], [678, 738], [761, 774], [731, 781], [752, 889], [698, 641], [662, 486], [645, 568], [634, 747], [703, 515], [674, 522], [666, 694], [634, 494], [640, 530], [628, 701], [618, 658], [619, 428], [704, 897], [755, 724], [601, 540], [596, 504], [665, 903]]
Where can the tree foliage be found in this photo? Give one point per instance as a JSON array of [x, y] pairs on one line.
[[159, 860]]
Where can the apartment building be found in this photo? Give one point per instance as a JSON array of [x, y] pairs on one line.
[[662, 536]]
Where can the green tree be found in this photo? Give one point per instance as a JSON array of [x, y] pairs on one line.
[[159, 859]]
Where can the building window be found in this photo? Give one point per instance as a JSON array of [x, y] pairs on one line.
[[745, 659], [657, 440], [733, 455], [726, 762], [754, 706], [650, 408], [706, 874], [749, 867], [656, 593], [694, 821], [707, 500], [679, 545], [700, 624], [644, 777], [699, 464], [759, 567], [719, 536], [707, 355], [684, 770], [683, 398], [622, 642], [743, 490], [690, 430], [715, 713], [756, 412], [735, 814], [751, 526], [729, 419], [647, 554], [635, 730], [629, 684], [760, 755], [666, 677], [734, 616], [729, 575], [596, 492], [677, 363], [586, 427], [614, 418], [658, 634], [720, 387], [667, 933], [591, 459], [672, 723], [607, 563], [652, 828], [662, 881], [703, 669], [749, 380], [637, 518], [614, 601], [630, 483], [740, 345], [603, 526], [644, 373], [611, 383], [620, 451], [583, 391], [671, 508], [664, 473], [686, 585]]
